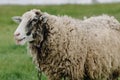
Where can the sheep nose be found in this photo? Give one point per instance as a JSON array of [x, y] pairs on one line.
[[17, 34]]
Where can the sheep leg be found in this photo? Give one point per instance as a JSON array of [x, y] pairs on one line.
[[52, 77], [114, 75], [65, 78], [39, 74]]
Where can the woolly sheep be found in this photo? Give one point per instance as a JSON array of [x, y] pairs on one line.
[[75, 49]]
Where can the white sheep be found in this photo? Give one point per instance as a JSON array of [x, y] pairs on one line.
[[76, 49]]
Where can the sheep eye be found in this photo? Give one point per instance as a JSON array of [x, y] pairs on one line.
[[32, 22], [35, 20], [29, 23]]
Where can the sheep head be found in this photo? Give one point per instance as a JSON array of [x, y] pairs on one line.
[[28, 26]]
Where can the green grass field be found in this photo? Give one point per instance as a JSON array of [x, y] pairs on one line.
[[15, 63]]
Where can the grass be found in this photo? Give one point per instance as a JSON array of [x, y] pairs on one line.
[[15, 63]]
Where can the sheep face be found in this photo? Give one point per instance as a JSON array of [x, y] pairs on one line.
[[24, 32]]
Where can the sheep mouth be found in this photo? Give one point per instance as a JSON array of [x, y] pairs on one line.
[[19, 40]]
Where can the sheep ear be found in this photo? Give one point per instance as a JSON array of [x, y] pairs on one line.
[[17, 19]]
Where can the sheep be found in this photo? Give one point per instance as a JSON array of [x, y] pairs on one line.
[[74, 49]]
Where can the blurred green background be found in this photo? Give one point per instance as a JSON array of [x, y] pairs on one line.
[[15, 63]]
